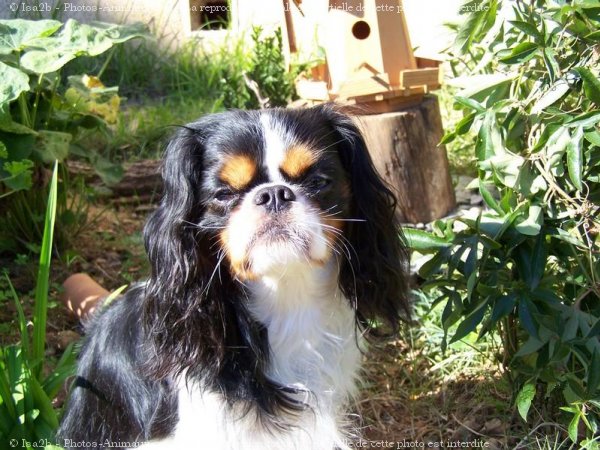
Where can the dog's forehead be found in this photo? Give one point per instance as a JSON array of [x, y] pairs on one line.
[[274, 150]]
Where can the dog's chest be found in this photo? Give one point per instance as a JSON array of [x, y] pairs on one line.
[[314, 350]]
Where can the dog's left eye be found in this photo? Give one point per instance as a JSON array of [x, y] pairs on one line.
[[319, 182], [224, 195]]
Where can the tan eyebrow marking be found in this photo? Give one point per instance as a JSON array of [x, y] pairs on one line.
[[298, 159], [238, 171]]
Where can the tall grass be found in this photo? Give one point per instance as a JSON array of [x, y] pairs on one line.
[[27, 384]]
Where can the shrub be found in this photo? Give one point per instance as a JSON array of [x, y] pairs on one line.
[[529, 266], [40, 117]]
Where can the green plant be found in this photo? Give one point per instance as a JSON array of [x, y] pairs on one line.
[[268, 69], [529, 266], [40, 117], [27, 384], [167, 87]]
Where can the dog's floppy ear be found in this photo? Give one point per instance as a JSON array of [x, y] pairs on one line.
[[169, 235], [183, 260], [375, 274]]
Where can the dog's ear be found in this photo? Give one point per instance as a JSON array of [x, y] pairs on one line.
[[374, 276], [186, 325], [172, 241]]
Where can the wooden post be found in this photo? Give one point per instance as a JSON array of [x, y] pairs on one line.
[[405, 151]]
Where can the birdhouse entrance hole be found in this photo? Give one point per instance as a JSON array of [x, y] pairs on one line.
[[361, 30]]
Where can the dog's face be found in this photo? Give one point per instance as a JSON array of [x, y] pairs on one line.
[[255, 194], [276, 189]]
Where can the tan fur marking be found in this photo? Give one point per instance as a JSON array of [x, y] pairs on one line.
[[238, 171], [240, 268], [298, 160]]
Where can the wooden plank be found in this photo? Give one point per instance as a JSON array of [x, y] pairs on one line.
[[364, 86], [420, 77]]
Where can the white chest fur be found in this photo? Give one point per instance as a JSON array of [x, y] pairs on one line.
[[314, 347]]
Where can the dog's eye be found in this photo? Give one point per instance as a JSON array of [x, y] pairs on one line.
[[319, 182], [224, 195]]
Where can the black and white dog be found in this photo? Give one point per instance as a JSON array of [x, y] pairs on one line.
[[274, 252]]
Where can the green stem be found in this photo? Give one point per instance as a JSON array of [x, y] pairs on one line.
[[37, 100], [105, 65], [25, 119]]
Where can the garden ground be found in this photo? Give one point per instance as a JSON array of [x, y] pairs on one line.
[[413, 395]]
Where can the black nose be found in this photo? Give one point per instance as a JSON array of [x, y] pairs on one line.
[[275, 198]]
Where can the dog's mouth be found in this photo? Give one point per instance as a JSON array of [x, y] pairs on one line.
[[275, 230]]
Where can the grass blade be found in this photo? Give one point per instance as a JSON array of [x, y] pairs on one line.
[[41, 288]]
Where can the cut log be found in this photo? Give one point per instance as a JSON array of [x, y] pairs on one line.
[[141, 179], [405, 151]]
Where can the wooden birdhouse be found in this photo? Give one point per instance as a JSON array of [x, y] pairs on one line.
[[369, 58]]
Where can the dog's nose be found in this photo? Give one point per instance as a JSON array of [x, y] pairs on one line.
[[275, 198]]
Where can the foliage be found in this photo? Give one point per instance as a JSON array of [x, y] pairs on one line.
[[529, 266], [269, 69], [167, 87], [27, 386], [40, 117]]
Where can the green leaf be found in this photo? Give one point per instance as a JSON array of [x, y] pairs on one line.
[[538, 260], [528, 29], [41, 287], [593, 137], [521, 53], [469, 103], [584, 120], [524, 399], [594, 331], [503, 306], [489, 199], [551, 96], [532, 345], [448, 137], [77, 39], [532, 224], [591, 84], [593, 373], [470, 322], [575, 158], [464, 125], [52, 145], [556, 146], [573, 426], [12, 83], [46, 61], [551, 63], [16, 34], [471, 26], [489, 141], [19, 174], [481, 86], [109, 172], [422, 240], [526, 317]]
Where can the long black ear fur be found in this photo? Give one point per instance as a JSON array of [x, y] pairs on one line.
[[195, 321], [375, 276]]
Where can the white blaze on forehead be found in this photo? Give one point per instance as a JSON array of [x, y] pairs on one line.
[[276, 144]]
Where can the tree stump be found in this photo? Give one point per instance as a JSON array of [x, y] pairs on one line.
[[405, 151]]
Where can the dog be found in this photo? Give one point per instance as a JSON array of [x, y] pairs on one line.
[[275, 257]]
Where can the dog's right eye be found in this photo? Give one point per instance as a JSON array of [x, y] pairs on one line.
[[224, 195]]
